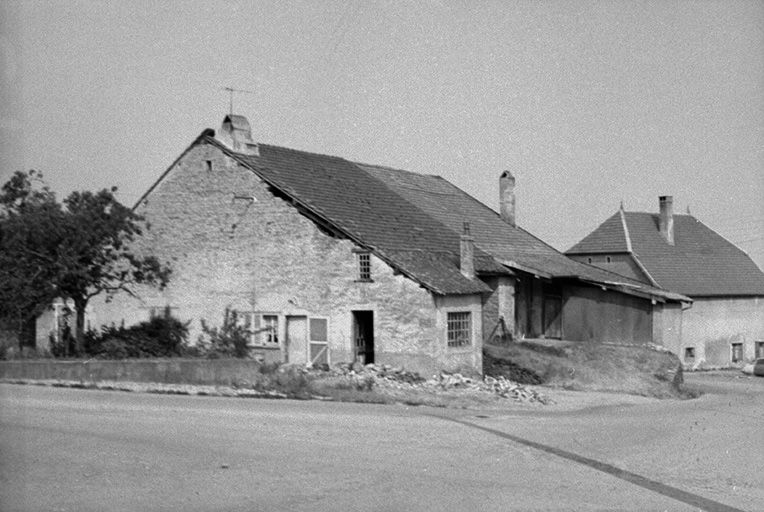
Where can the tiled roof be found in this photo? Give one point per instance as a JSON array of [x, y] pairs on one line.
[[363, 208], [700, 263], [414, 221], [609, 237], [511, 245]]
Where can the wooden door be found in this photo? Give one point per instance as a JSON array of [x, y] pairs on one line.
[[297, 339]]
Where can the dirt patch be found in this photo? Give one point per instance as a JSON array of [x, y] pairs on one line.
[[633, 369]]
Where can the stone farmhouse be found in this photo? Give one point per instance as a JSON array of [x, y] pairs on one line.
[[725, 325], [328, 260]]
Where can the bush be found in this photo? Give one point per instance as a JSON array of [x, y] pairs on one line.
[[229, 340], [162, 336]]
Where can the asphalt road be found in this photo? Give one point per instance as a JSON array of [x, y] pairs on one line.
[[78, 450]]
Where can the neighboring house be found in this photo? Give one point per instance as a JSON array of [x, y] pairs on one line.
[[328, 260], [725, 325]]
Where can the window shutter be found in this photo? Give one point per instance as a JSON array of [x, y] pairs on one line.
[[256, 337]]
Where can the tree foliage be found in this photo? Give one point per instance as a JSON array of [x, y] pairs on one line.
[[75, 250]]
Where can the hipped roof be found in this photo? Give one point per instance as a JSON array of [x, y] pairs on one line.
[[699, 263]]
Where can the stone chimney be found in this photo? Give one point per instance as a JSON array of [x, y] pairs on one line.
[[467, 256], [237, 135], [666, 221], [507, 197]]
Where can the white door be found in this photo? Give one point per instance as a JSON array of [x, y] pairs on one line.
[[297, 339]]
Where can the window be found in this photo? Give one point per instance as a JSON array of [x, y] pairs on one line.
[[760, 350], [459, 331], [318, 334], [263, 328], [271, 325], [364, 266], [689, 354], [589, 260], [737, 352], [163, 312], [608, 260], [209, 165]]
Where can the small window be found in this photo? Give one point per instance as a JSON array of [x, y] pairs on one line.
[[163, 312], [209, 165], [459, 331], [364, 266], [737, 352], [608, 260], [760, 350], [589, 260], [689, 354], [263, 329], [270, 336]]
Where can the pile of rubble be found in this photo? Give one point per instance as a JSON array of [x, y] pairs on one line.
[[386, 376]]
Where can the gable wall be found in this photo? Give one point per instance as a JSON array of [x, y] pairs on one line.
[[265, 256], [712, 325], [619, 263]]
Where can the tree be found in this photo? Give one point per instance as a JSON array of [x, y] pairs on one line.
[[29, 217], [81, 249]]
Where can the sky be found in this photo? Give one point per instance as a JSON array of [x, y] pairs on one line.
[[589, 104]]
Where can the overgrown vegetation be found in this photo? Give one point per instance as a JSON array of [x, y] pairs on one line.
[[633, 369], [75, 250], [231, 339], [162, 336]]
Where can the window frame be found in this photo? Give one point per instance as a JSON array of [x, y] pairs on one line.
[[363, 266], [254, 323], [736, 347], [458, 326], [758, 349], [159, 311]]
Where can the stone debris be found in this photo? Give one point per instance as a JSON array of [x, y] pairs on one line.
[[385, 376], [359, 377]]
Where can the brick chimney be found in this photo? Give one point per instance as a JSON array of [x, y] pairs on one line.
[[507, 197], [666, 221], [467, 256], [237, 135]]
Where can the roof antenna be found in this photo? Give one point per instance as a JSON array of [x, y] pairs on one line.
[[231, 90], [621, 204]]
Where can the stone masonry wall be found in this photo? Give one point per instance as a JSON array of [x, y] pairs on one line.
[[713, 325], [232, 243]]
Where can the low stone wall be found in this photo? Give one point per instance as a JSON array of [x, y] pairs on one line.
[[223, 372]]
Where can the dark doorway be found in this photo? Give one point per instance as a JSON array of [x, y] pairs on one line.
[[363, 336]]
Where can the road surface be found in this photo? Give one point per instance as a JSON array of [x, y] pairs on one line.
[[79, 450]]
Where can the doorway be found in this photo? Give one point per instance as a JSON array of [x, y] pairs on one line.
[[363, 336], [296, 348]]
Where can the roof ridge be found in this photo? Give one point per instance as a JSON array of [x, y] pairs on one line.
[[389, 168], [301, 151], [625, 231]]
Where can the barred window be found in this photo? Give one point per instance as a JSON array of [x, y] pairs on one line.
[[459, 333], [364, 266]]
